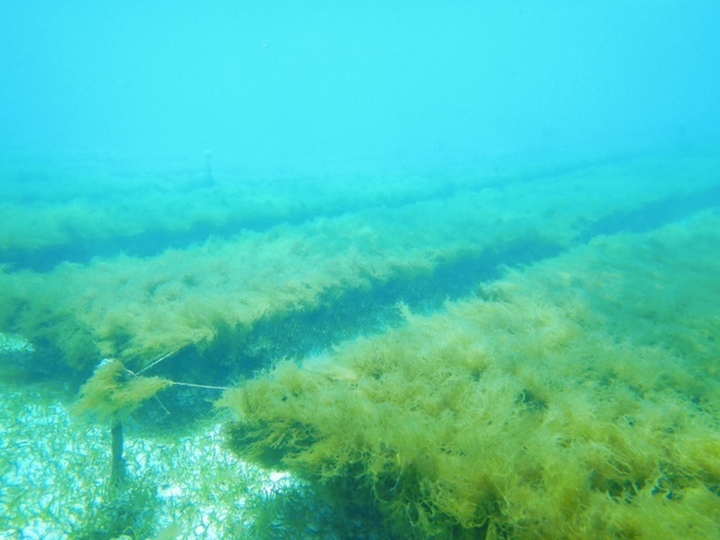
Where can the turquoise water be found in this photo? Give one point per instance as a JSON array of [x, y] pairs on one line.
[[275, 86], [390, 270]]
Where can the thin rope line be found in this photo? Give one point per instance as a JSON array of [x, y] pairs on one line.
[[156, 362]]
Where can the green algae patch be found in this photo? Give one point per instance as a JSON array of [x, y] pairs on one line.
[[576, 398], [113, 392]]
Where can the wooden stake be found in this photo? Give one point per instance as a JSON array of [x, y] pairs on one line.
[[118, 472]]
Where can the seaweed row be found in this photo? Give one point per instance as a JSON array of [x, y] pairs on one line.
[[49, 207], [576, 398]]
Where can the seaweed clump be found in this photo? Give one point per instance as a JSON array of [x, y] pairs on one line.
[[539, 410], [115, 392]]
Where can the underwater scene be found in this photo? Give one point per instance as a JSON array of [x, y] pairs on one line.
[[383, 270]]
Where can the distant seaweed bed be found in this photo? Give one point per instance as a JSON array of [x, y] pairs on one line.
[[508, 351]]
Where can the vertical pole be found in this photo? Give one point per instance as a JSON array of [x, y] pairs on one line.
[[117, 471], [209, 180]]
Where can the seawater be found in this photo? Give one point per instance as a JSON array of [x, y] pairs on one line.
[[366, 271]]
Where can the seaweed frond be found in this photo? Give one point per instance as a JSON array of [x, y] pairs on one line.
[[114, 392]]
